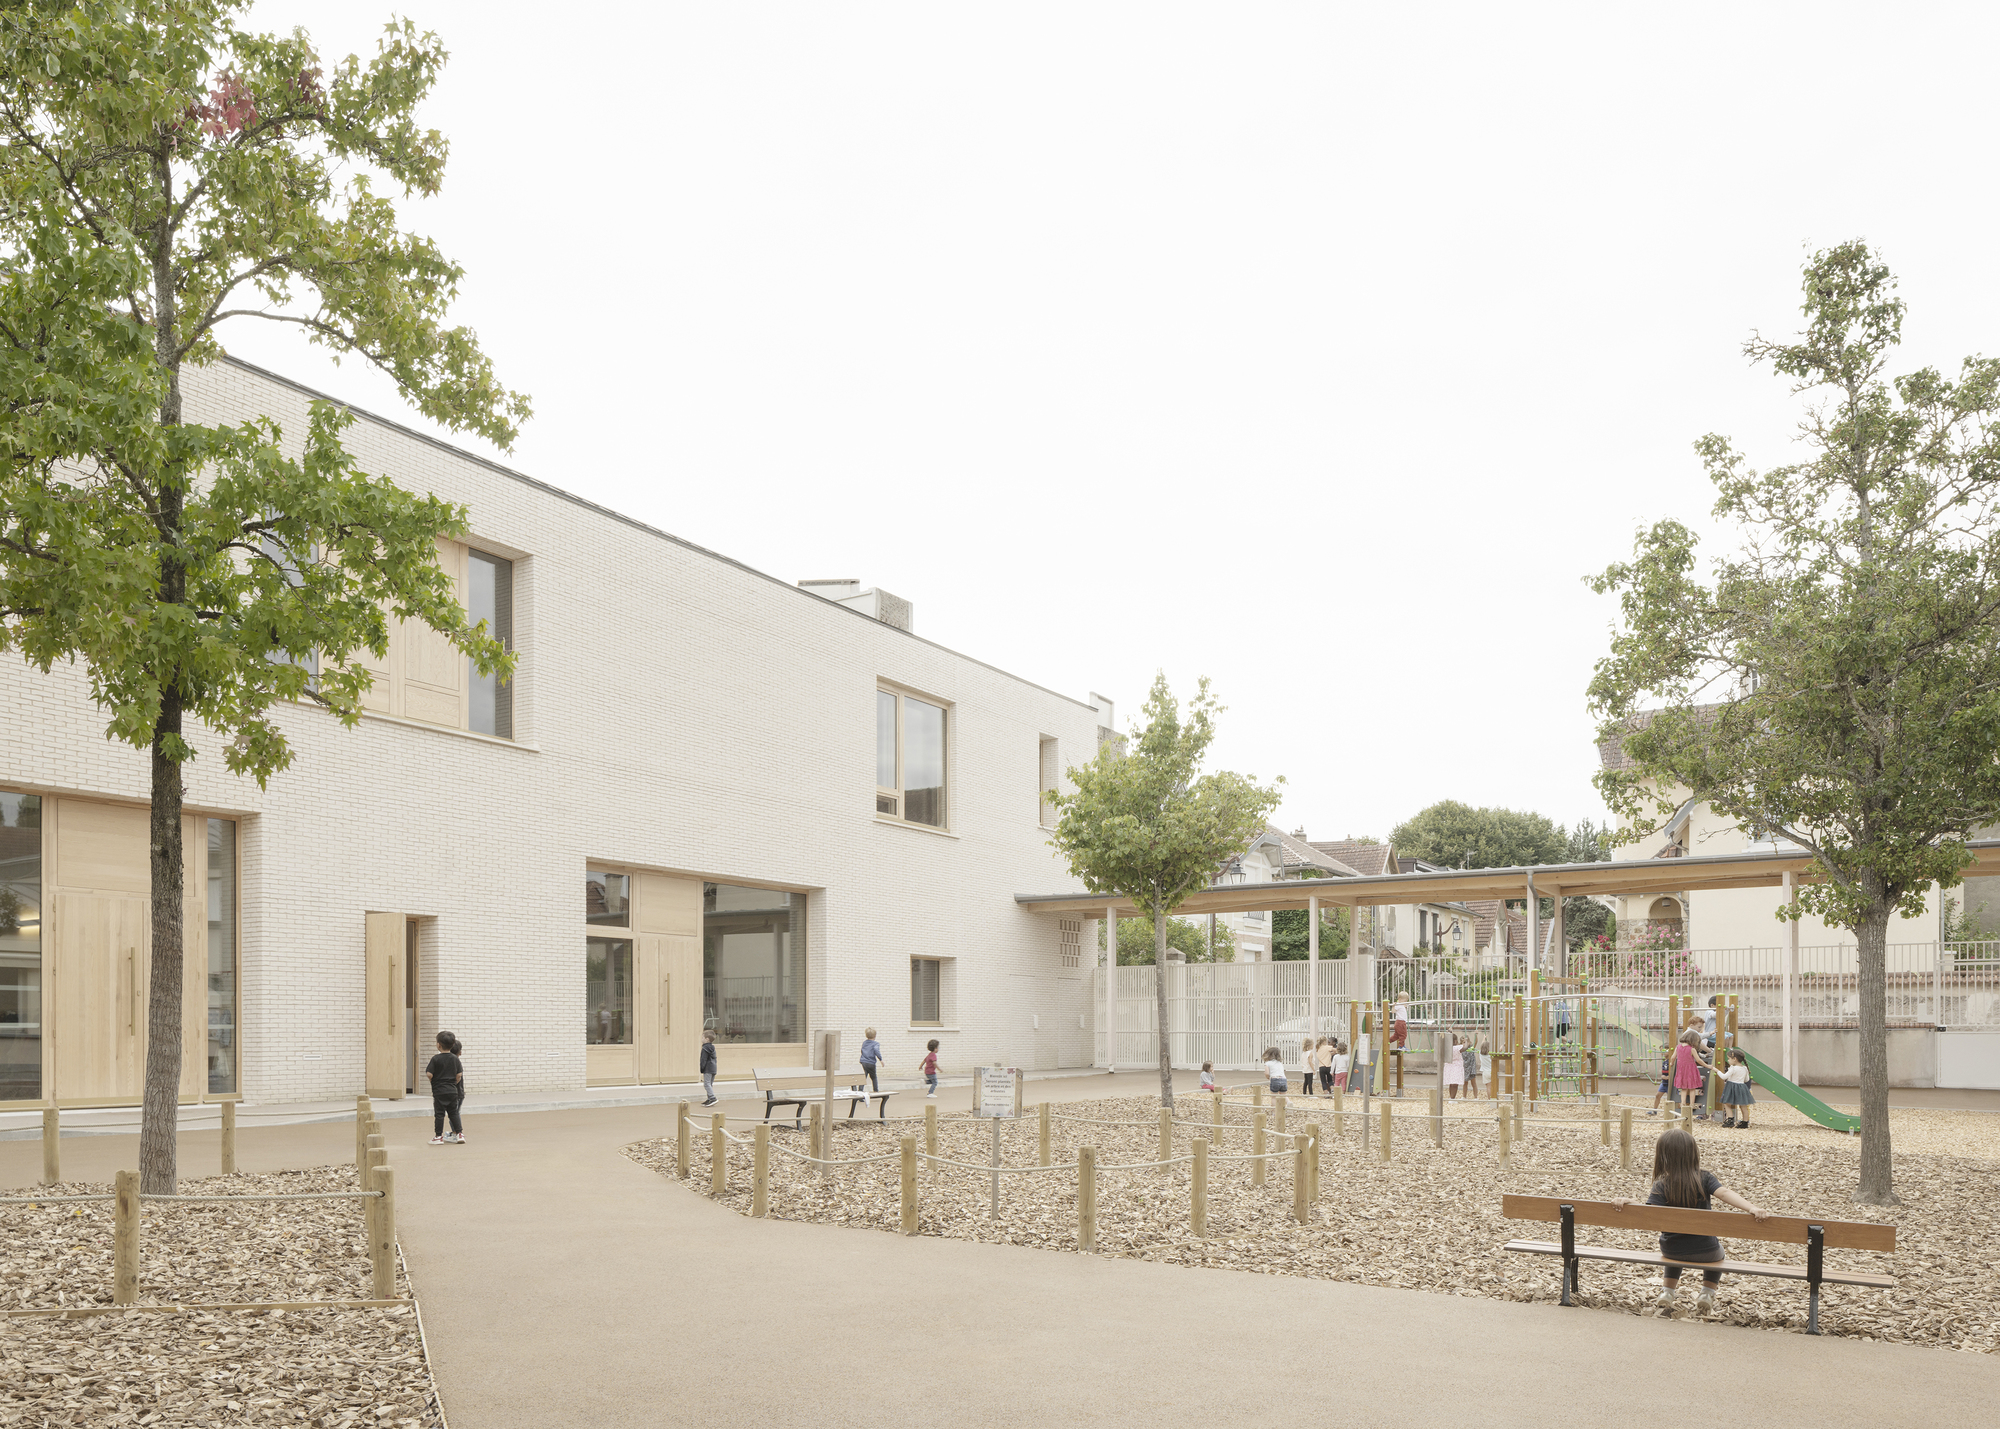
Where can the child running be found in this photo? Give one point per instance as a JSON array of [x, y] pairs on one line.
[[447, 1076], [930, 1069], [1678, 1180]]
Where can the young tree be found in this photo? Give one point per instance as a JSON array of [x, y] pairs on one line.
[[1187, 937], [1148, 825], [1837, 679], [162, 172]]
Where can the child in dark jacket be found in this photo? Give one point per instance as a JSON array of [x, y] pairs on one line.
[[447, 1078], [708, 1068]]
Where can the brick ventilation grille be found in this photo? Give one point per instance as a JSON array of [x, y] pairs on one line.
[[1071, 936]]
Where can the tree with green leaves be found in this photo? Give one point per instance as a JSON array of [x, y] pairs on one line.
[[1836, 677], [1291, 933], [1451, 834], [1184, 936], [1149, 826], [165, 172]]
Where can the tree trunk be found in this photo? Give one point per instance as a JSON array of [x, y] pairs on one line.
[[1160, 1008], [1877, 1185], [159, 1122]]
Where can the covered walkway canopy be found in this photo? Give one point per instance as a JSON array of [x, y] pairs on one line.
[[1547, 880]]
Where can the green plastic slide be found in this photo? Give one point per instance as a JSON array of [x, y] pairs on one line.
[[1803, 1100]]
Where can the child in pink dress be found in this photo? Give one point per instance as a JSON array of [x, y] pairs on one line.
[[1687, 1069]]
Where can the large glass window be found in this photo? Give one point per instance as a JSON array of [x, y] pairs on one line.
[[608, 992], [909, 758], [222, 960], [753, 973], [490, 597], [20, 947], [607, 899]]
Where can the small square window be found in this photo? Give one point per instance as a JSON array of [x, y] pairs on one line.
[[607, 898]]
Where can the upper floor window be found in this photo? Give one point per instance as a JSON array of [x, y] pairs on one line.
[[490, 597], [607, 898], [1051, 773], [909, 758]]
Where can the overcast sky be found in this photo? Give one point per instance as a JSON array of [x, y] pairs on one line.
[[1319, 349]]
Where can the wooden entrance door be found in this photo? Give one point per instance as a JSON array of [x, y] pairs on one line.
[[103, 950], [667, 1009], [385, 1051]]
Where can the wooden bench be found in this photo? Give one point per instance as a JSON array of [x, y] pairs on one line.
[[796, 1086], [1817, 1236]]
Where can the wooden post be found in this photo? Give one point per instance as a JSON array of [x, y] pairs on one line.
[[1384, 1134], [1506, 1136], [229, 1139], [814, 1139], [683, 1141], [1399, 1071], [1437, 1117], [1045, 1134], [910, 1183], [718, 1157], [760, 1170], [930, 1129], [1216, 1135], [1301, 1211], [1257, 1148], [1312, 1164], [1604, 1120], [51, 1146], [382, 1244], [361, 1114], [1625, 1139], [378, 1156], [1339, 1116], [1086, 1198], [1687, 1119], [828, 1041], [125, 1240], [1166, 1137], [1257, 1096], [1198, 1211], [1520, 1126], [1278, 1117]]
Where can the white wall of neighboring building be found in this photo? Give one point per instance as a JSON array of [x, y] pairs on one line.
[[675, 711]]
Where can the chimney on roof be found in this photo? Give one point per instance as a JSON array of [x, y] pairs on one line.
[[875, 603]]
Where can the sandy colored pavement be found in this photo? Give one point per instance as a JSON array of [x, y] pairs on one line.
[[564, 1284]]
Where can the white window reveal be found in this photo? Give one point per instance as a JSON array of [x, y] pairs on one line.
[[926, 987], [909, 758]]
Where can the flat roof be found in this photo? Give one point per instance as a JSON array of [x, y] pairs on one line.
[[1639, 875]]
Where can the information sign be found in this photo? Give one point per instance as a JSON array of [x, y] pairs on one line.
[[996, 1091]]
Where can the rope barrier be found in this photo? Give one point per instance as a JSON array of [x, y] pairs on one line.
[[817, 1161], [989, 1169], [148, 1196], [49, 1200]]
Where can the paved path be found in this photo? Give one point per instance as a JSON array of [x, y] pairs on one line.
[[564, 1284]]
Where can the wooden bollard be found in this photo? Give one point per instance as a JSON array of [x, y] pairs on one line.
[[382, 1236], [1086, 1198], [1198, 1208], [1044, 1134], [1383, 1136], [1687, 1119], [1312, 1163], [229, 1138], [1339, 1115], [1257, 1097], [910, 1183], [1520, 1126], [718, 1157], [1301, 1210], [1625, 1139], [1278, 1109], [930, 1129], [125, 1240], [1506, 1137], [361, 1115], [683, 1141], [371, 1213], [760, 1171], [1257, 1148], [51, 1146], [1604, 1120], [1166, 1138], [815, 1142], [1437, 1117], [1215, 1136]]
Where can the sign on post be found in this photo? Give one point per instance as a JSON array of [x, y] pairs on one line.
[[997, 1092]]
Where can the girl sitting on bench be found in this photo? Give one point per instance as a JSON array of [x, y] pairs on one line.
[[1678, 1180]]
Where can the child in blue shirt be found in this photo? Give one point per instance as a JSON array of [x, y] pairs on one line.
[[871, 1058]]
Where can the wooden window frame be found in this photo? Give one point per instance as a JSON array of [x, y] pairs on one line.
[[899, 793], [937, 1021]]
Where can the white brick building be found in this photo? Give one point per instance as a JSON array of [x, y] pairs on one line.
[[677, 718]]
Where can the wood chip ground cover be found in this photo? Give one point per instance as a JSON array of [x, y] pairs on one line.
[[1430, 1218], [293, 1367]]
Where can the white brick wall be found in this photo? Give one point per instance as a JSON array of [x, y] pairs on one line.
[[673, 710]]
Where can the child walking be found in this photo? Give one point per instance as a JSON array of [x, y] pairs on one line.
[[707, 1067], [1736, 1098], [930, 1069], [1310, 1058], [447, 1076], [1678, 1180], [871, 1058], [1666, 1079], [1274, 1068], [1341, 1062], [1325, 1060]]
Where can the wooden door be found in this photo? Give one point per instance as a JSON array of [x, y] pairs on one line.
[[382, 1007], [103, 949], [668, 1007]]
